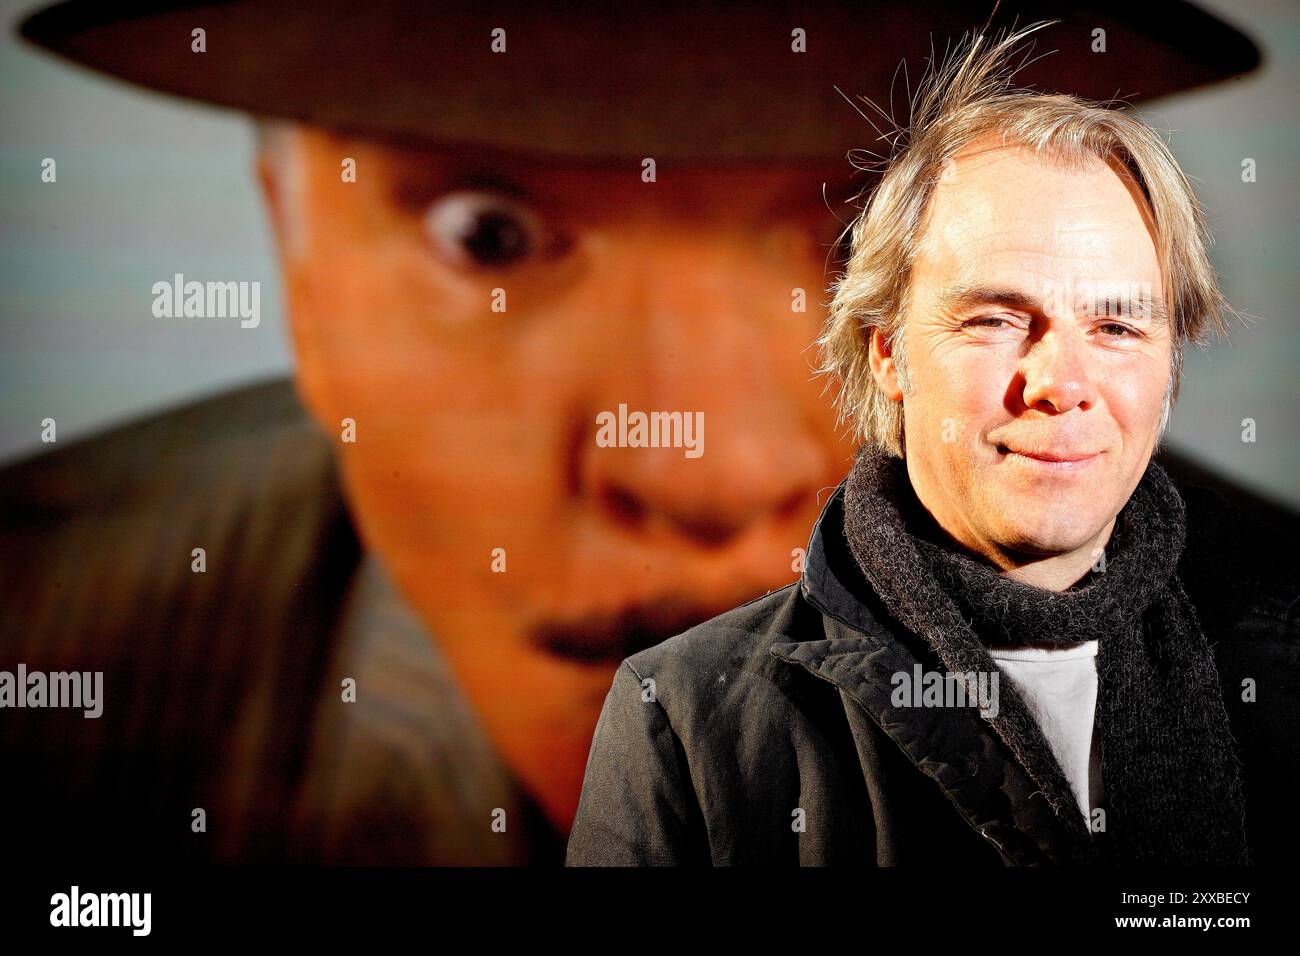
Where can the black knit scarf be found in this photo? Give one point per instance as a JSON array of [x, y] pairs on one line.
[[1172, 779]]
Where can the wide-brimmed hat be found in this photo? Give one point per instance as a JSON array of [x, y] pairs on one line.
[[713, 81]]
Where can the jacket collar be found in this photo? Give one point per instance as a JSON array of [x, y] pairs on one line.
[[859, 654]]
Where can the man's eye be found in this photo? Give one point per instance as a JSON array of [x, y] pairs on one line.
[[1123, 331], [473, 229], [985, 320]]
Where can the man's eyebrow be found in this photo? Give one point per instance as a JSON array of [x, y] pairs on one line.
[[1140, 306], [489, 180], [415, 187], [1143, 305], [968, 297]]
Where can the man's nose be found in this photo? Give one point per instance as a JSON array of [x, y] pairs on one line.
[[727, 361], [752, 473], [1056, 372]]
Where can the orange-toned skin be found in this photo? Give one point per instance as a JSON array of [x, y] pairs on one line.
[[476, 430]]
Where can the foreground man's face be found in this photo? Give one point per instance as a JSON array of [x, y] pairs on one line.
[[477, 429], [1012, 354]]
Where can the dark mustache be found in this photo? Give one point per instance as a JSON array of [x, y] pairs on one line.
[[613, 636]]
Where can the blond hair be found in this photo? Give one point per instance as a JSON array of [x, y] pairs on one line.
[[968, 97]]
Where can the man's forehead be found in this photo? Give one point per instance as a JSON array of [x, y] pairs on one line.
[[1009, 202], [978, 263], [1008, 178]]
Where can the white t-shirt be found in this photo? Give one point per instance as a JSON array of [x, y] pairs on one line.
[[1059, 685]]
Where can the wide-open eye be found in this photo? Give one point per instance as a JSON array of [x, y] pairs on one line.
[[478, 229]]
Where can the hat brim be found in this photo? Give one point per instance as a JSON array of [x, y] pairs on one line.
[[712, 82]]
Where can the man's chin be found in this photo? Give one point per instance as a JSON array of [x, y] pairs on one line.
[[1050, 535]]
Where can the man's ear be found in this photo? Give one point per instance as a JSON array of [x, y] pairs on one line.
[[274, 154], [266, 165], [883, 366]]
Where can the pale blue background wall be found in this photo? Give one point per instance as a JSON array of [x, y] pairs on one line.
[[147, 186]]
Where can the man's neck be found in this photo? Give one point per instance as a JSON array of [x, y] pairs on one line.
[[1054, 572]]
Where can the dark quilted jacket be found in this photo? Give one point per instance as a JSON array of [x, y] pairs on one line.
[[767, 735]]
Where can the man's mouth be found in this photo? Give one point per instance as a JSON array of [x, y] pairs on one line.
[[1052, 459], [607, 638]]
